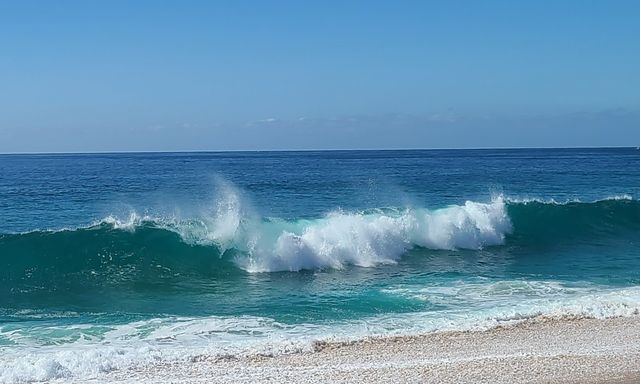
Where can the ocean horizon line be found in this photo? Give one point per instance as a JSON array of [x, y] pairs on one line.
[[115, 152]]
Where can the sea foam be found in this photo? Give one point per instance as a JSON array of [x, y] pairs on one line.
[[338, 239], [380, 236], [368, 239], [186, 340]]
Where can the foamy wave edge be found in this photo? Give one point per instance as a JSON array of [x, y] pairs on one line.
[[366, 239], [183, 340], [338, 239]]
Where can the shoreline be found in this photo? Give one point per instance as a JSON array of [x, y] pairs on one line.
[[542, 350]]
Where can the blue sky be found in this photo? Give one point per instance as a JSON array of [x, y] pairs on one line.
[[219, 75]]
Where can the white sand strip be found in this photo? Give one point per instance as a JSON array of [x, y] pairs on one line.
[[541, 351]]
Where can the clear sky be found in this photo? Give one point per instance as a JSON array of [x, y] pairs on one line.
[[218, 75]]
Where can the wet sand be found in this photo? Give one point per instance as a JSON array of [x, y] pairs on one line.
[[538, 351]]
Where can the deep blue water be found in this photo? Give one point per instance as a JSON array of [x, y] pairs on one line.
[[52, 191], [190, 252]]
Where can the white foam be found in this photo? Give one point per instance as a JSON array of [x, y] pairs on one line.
[[335, 240], [551, 201], [620, 197], [370, 239], [339, 238], [184, 340], [130, 223]]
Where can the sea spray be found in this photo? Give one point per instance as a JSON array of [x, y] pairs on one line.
[[378, 236], [367, 240]]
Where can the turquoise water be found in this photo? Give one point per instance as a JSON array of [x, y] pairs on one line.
[[116, 260]]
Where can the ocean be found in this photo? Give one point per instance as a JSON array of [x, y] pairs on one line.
[[113, 261]]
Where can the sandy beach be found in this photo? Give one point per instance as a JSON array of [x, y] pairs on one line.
[[539, 351]]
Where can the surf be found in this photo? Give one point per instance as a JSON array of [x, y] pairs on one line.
[[233, 241]]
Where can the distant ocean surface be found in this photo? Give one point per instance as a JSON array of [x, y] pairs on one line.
[[111, 261]]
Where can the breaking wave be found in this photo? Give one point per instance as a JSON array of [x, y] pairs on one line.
[[231, 238]]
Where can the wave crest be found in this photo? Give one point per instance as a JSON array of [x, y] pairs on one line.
[[369, 239], [230, 230]]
